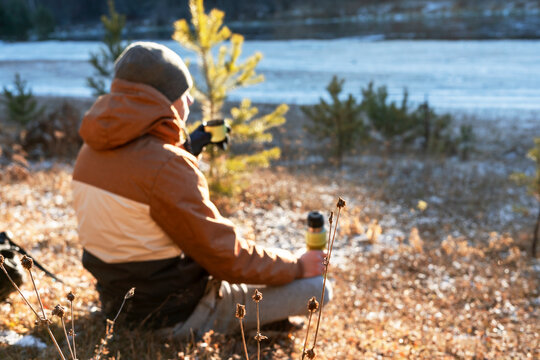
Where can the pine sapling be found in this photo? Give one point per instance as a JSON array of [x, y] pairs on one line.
[[21, 104], [103, 61], [222, 70]]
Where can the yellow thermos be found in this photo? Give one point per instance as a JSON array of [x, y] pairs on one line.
[[316, 233]]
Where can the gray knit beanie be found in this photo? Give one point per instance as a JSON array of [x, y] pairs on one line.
[[155, 65]]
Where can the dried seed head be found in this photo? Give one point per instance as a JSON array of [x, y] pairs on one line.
[[310, 354], [42, 321], [27, 262], [313, 304], [340, 203], [257, 296], [130, 293], [326, 261], [260, 337], [70, 296], [240, 311], [331, 217], [58, 311], [1, 260]]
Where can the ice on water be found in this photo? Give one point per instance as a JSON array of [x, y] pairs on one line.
[[466, 75]]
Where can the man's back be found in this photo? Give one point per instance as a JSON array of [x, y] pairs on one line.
[[113, 181]]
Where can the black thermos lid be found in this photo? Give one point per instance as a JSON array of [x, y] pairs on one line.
[[315, 219]]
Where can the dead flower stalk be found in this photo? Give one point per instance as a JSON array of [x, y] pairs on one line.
[[340, 204], [257, 297], [27, 263], [240, 314], [70, 298], [109, 329], [313, 305], [59, 311], [16, 287]]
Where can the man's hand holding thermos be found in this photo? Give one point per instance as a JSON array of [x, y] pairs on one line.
[[211, 132], [313, 259]]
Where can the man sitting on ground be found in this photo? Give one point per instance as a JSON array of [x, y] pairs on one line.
[[146, 219]]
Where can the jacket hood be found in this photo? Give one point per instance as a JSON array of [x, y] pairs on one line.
[[128, 112]]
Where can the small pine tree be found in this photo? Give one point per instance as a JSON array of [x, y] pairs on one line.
[[434, 130], [466, 141], [338, 121], [221, 73], [533, 185], [389, 119], [437, 133], [21, 104], [103, 61]]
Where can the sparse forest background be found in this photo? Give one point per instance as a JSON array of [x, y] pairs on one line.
[[275, 19]]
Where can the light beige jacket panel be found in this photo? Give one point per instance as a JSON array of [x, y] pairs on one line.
[[117, 229]]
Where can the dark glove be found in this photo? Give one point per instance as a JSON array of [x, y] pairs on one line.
[[199, 139]]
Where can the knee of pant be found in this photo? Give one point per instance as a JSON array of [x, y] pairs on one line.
[[328, 292], [318, 283]]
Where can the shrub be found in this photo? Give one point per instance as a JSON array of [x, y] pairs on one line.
[[432, 129], [21, 104], [103, 61], [397, 123], [437, 133], [55, 134], [338, 121], [223, 73], [389, 119]]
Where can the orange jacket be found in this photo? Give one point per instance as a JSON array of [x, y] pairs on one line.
[[140, 196]]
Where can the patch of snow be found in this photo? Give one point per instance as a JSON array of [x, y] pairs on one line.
[[432, 7], [371, 316], [12, 338]]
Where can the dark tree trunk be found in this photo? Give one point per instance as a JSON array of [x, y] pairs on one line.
[[536, 235], [427, 126]]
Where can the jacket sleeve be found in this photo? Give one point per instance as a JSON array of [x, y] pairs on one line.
[[180, 204]]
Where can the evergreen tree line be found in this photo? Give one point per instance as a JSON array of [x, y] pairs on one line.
[[89, 11], [36, 19], [21, 19]]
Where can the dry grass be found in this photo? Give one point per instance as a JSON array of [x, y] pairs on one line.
[[462, 300]]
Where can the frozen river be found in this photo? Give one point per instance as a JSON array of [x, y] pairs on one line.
[[500, 76]]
